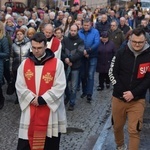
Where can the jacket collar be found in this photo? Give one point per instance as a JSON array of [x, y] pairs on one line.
[[82, 30], [48, 55]]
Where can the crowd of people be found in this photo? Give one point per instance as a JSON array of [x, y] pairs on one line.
[[111, 41]]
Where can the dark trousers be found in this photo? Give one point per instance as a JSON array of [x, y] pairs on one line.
[[88, 68], [103, 77], [50, 143], [7, 70], [1, 95]]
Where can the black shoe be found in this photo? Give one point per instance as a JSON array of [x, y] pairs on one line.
[[88, 101], [2, 103], [107, 86], [1, 106], [66, 101], [16, 101], [71, 108], [83, 95], [100, 88], [89, 98]]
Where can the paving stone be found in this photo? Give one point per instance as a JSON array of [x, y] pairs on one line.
[[88, 118]]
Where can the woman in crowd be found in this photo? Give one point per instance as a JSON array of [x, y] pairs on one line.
[[32, 24], [69, 22], [94, 16], [10, 27], [37, 20], [19, 52], [4, 53], [106, 52], [31, 31], [20, 22]]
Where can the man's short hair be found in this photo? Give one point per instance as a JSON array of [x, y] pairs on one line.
[[39, 37], [144, 20], [138, 31], [74, 25], [87, 20], [59, 29], [49, 25], [114, 21], [79, 21]]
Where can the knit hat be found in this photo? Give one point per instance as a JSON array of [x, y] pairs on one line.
[[104, 34], [31, 21], [7, 16], [10, 18]]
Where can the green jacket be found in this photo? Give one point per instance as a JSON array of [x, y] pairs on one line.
[[117, 37]]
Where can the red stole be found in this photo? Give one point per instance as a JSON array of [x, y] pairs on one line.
[[39, 116], [55, 44]]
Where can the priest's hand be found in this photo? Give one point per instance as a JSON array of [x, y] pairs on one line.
[[35, 101]]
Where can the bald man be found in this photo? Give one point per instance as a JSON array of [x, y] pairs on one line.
[[53, 43], [103, 24], [123, 26]]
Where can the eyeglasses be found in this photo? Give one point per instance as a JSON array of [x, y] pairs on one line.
[[136, 42]]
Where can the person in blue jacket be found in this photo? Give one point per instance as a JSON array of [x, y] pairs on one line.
[[91, 39]]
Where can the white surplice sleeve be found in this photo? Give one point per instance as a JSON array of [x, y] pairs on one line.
[[25, 96]]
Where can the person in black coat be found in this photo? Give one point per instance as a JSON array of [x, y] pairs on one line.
[[103, 24], [138, 19], [72, 53], [106, 52], [130, 77], [123, 27]]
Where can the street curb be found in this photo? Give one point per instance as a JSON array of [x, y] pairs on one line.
[[103, 135]]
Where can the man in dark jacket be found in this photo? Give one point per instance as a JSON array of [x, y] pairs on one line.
[[123, 27], [138, 19], [72, 52], [130, 75], [103, 24], [115, 35], [112, 16], [58, 21]]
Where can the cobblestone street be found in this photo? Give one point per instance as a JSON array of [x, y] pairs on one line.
[[84, 123]]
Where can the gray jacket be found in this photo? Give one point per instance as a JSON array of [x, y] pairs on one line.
[[19, 52]]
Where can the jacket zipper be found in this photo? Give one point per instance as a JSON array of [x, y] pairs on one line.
[[20, 54], [133, 70]]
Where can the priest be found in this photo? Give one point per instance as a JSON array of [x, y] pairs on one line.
[[40, 88]]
